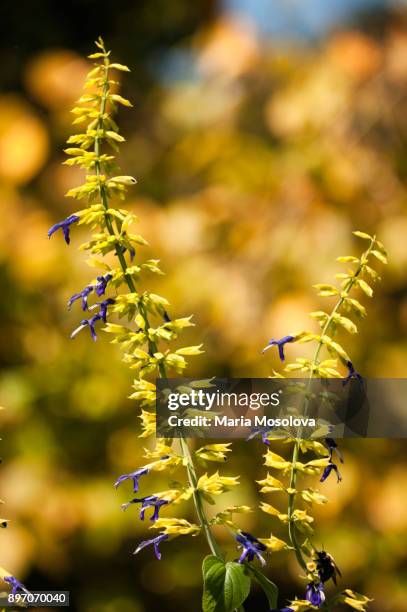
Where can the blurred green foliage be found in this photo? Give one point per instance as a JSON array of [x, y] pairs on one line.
[[255, 161]]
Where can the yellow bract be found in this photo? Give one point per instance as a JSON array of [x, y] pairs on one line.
[[176, 526], [215, 484]]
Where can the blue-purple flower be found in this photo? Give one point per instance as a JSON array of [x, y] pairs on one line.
[[332, 447], [315, 594], [83, 295], [16, 585], [103, 307], [280, 343], [260, 431], [352, 374], [154, 542], [151, 501], [134, 476], [65, 226], [88, 323], [251, 547], [101, 284], [328, 469]]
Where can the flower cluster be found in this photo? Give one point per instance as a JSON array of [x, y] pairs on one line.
[[146, 340], [146, 336], [321, 457]]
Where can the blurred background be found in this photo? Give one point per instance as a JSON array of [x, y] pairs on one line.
[[264, 132]]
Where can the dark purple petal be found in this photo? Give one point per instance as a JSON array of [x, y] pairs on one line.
[[101, 284], [151, 501], [16, 585], [82, 294], [154, 542], [280, 344], [134, 476], [315, 594], [65, 226], [103, 307], [328, 470], [251, 547], [262, 432], [352, 374], [332, 447]]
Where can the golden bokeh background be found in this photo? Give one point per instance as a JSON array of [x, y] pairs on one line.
[[256, 157]]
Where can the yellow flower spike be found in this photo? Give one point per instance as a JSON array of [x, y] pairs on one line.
[[312, 496], [161, 450], [148, 423], [176, 526], [120, 100], [120, 67], [215, 484], [301, 605], [121, 180], [313, 446], [353, 600], [225, 517], [270, 484], [275, 461], [302, 516], [174, 496], [164, 463], [274, 544], [268, 509], [214, 452]]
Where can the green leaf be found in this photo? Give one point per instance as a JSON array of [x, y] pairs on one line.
[[269, 588], [226, 585]]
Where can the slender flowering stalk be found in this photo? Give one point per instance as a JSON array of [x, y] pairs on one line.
[[146, 343], [321, 566], [113, 249]]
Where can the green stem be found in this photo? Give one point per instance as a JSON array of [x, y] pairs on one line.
[[293, 474], [214, 547]]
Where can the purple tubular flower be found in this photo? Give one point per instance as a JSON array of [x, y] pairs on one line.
[[134, 476], [16, 585], [151, 501], [91, 324], [315, 594], [103, 307], [64, 226], [352, 374], [280, 343], [260, 431], [251, 547], [101, 284], [83, 295], [155, 542], [331, 466], [332, 447]]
